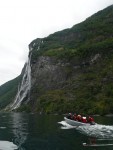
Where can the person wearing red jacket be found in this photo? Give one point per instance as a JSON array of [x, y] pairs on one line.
[[84, 120], [79, 118], [91, 120]]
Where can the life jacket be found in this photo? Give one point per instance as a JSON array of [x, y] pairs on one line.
[[79, 118], [84, 120], [90, 119]]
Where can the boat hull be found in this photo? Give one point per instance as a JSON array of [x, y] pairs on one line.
[[75, 123]]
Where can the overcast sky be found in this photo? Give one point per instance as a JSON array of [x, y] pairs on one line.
[[21, 21]]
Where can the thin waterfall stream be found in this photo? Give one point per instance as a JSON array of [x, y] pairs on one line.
[[23, 94], [25, 86]]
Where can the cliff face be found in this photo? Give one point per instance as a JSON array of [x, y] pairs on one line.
[[50, 74], [55, 83], [69, 68], [72, 70]]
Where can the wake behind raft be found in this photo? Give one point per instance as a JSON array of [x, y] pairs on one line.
[[78, 120]]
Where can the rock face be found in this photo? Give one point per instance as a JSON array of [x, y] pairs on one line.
[[50, 74], [49, 71], [55, 82]]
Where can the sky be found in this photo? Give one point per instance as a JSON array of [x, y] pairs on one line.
[[22, 21]]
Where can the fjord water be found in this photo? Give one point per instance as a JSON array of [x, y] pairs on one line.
[[23, 131]]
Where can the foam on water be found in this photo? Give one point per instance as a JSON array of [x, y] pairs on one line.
[[6, 145], [65, 125], [98, 131]]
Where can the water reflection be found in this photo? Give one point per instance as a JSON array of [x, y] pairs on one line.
[[19, 129], [33, 132]]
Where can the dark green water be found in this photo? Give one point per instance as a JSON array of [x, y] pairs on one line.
[[38, 132]]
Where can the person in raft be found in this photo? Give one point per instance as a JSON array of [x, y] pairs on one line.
[[75, 116], [91, 120], [84, 120], [79, 118], [70, 116]]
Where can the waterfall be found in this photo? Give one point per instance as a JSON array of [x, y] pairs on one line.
[[23, 93]]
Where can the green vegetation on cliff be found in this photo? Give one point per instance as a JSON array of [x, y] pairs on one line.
[[91, 92], [8, 92], [87, 46], [92, 36]]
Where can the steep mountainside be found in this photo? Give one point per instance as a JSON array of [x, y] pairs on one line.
[[8, 92], [72, 70]]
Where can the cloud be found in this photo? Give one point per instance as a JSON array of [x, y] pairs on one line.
[[12, 59]]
